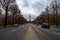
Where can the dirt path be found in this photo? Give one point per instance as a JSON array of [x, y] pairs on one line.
[[30, 34]]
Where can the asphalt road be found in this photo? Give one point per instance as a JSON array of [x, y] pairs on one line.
[[15, 33], [47, 34]]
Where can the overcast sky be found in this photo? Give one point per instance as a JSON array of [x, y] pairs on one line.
[[33, 7]]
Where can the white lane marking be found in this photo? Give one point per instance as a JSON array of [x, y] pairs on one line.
[[13, 30], [55, 28], [57, 33]]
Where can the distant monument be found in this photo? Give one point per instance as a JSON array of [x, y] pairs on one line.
[[30, 18]]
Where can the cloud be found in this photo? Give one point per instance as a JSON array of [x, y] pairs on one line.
[[33, 7]]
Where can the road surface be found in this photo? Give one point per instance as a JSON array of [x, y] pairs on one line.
[[47, 34], [15, 33], [29, 32], [23, 32]]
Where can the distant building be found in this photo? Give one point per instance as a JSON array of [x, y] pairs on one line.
[[30, 18]]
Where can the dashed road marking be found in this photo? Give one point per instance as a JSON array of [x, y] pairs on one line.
[[57, 33], [13, 30]]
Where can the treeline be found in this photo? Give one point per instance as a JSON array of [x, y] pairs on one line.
[[50, 15], [10, 13], [44, 19]]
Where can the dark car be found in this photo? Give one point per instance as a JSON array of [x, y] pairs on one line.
[[45, 25]]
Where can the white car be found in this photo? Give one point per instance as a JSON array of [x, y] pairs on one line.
[[16, 25]]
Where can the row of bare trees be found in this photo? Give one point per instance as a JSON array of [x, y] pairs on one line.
[[12, 12], [51, 14]]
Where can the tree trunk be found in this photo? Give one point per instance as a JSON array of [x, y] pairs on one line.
[[13, 19], [5, 21]]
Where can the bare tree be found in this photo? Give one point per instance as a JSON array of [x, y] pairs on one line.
[[47, 11], [55, 7], [15, 10], [5, 5], [0, 11], [56, 11]]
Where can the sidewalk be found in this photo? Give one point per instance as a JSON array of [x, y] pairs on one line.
[[30, 34]]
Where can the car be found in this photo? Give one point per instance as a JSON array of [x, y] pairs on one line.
[[45, 25], [16, 25]]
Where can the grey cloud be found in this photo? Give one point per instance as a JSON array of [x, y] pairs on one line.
[[25, 3], [33, 17], [38, 6]]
